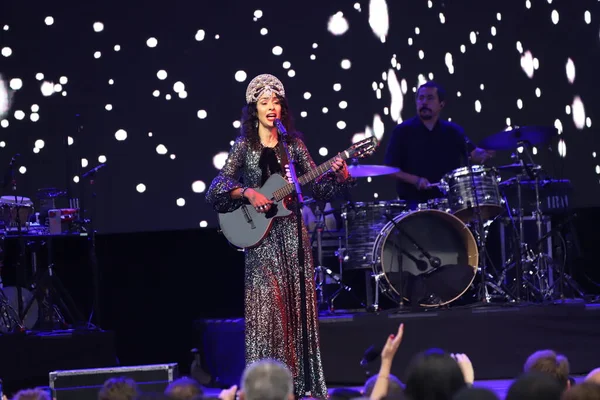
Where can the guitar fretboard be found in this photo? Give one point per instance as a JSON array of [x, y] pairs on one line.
[[288, 189]]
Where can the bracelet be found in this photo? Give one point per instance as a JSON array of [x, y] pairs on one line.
[[244, 190]]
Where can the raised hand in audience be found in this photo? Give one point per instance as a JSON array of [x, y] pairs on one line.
[[387, 357], [228, 394], [466, 367]]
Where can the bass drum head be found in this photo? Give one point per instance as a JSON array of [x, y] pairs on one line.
[[405, 271]]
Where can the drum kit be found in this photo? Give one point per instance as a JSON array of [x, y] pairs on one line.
[[432, 255]]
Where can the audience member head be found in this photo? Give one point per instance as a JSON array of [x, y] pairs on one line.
[[535, 386], [593, 376], [548, 362], [395, 386], [583, 391], [118, 389], [267, 380], [32, 394], [433, 375], [344, 394], [184, 389], [473, 393]]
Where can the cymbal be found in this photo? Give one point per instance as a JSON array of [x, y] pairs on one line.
[[363, 171], [511, 139], [517, 167]]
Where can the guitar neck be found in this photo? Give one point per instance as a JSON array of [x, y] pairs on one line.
[[311, 175]]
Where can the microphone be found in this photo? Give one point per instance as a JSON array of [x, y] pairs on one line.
[[13, 159], [93, 170], [280, 126]]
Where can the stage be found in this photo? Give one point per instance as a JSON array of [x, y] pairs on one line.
[[497, 339]]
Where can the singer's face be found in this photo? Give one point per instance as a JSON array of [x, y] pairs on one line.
[[268, 109], [428, 103]]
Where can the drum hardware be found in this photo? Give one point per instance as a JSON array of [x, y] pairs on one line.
[[512, 138], [364, 171], [322, 272]]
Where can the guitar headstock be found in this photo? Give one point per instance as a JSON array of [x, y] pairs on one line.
[[362, 148]]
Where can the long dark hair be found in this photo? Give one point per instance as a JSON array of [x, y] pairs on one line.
[[249, 128], [433, 375]]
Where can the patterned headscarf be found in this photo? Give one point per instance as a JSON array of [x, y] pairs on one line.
[[263, 84]]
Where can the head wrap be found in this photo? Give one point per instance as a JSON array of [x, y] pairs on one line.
[[261, 85]]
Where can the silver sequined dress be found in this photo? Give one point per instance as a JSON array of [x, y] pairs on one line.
[[273, 271]]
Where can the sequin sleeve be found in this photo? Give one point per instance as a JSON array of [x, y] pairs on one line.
[[325, 187], [219, 191]]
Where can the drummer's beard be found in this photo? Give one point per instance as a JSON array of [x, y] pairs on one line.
[[425, 116]]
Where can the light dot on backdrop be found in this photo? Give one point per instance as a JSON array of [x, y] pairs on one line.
[[98, 26], [337, 24], [49, 21], [463, 48], [286, 64], [587, 17], [121, 135], [220, 159], [568, 109], [477, 106], [156, 93], [76, 179], [84, 162], [379, 20], [258, 14], [559, 126], [499, 17], [346, 64], [315, 45], [39, 144], [108, 107], [70, 141], [162, 74], [178, 87], [264, 31], [307, 95], [180, 202], [237, 124], [198, 187], [442, 18], [15, 84], [6, 51], [39, 76], [57, 87], [111, 81], [22, 170], [578, 113], [3, 144], [520, 104], [538, 92], [277, 50], [161, 149], [202, 114], [200, 35], [4, 123], [421, 54], [343, 104], [291, 73], [241, 76], [554, 17], [19, 114], [203, 224], [588, 122], [562, 148], [36, 150], [303, 114], [323, 151], [527, 64], [172, 156], [101, 159], [570, 67], [324, 110], [97, 54], [183, 94], [117, 47], [63, 80], [341, 124], [34, 117], [151, 42], [337, 87], [141, 188]]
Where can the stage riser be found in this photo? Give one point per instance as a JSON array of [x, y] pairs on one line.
[[497, 340]]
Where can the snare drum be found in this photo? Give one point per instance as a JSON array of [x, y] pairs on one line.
[[440, 204], [363, 222], [11, 206], [463, 184]]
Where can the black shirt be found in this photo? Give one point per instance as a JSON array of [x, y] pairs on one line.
[[428, 154]]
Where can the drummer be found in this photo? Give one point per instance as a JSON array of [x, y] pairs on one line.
[[425, 148]]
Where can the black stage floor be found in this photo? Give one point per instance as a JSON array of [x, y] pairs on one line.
[[28, 358], [497, 339]]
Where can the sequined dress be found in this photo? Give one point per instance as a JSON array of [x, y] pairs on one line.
[[272, 274]]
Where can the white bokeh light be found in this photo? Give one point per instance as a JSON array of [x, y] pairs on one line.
[[277, 50], [562, 148], [345, 64], [337, 24], [152, 42], [178, 87], [6, 51], [527, 64], [101, 159], [343, 104], [306, 95], [202, 114], [578, 113], [98, 26], [587, 17], [121, 135], [337, 87], [47, 89], [200, 35], [203, 224], [49, 21], [264, 31], [237, 124], [161, 149], [34, 117], [570, 67], [554, 17], [396, 96], [559, 126], [477, 106], [198, 186], [84, 162], [161, 74], [379, 19], [341, 125], [22, 170], [378, 127], [19, 114], [240, 76], [141, 188], [108, 107], [220, 159], [291, 73], [449, 63], [323, 151], [180, 202], [39, 144]]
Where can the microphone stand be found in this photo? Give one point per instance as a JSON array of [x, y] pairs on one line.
[[301, 256], [91, 174]]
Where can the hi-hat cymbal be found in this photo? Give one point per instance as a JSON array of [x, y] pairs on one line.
[[513, 138], [517, 167], [363, 171]]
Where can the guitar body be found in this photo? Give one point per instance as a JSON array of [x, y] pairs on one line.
[[245, 227]]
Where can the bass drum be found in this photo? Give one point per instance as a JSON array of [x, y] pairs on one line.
[[403, 251]]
